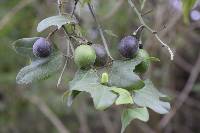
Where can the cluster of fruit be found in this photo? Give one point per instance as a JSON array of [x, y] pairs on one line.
[[86, 55]]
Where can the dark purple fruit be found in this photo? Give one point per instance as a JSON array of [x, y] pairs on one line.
[[128, 46], [42, 48], [101, 55]]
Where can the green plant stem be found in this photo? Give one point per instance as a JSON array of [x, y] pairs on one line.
[[100, 30], [65, 65], [69, 39], [151, 30], [51, 34]]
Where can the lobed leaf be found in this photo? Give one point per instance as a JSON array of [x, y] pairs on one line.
[[124, 96], [130, 114], [149, 96], [122, 74], [88, 81]]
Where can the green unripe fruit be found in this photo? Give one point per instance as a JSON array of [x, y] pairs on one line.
[[104, 78], [84, 56], [142, 67]]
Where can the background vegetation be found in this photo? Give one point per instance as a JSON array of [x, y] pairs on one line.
[[39, 108]]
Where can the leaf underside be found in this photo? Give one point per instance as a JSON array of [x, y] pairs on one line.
[[88, 81], [149, 96], [58, 21], [40, 69], [130, 114]]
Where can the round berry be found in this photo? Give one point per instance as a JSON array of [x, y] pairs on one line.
[[142, 67], [42, 48], [128, 46], [84, 56], [101, 55]]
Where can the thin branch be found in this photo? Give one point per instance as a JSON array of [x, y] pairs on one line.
[[13, 11], [184, 94], [69, 39], [100, 30], [147, 12], [74, 9], [51, 34], [151, 30], [48, 113], [63, 70], [60, 4], [65, 65]]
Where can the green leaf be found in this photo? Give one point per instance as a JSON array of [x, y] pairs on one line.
[[130, 114], [24, 46], [149, 96], [187, 6], [58, 21], [40, 69], [110, 32], [88, 81], [124, 96], [122, 75]]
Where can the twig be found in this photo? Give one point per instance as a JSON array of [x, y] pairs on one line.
[[65, 65], [147, 12], [60, 4], [184, 94], [69, 39], [75, 4], [100, 30], [151, 30], [51, 33], [13, 11], [48, 113]]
